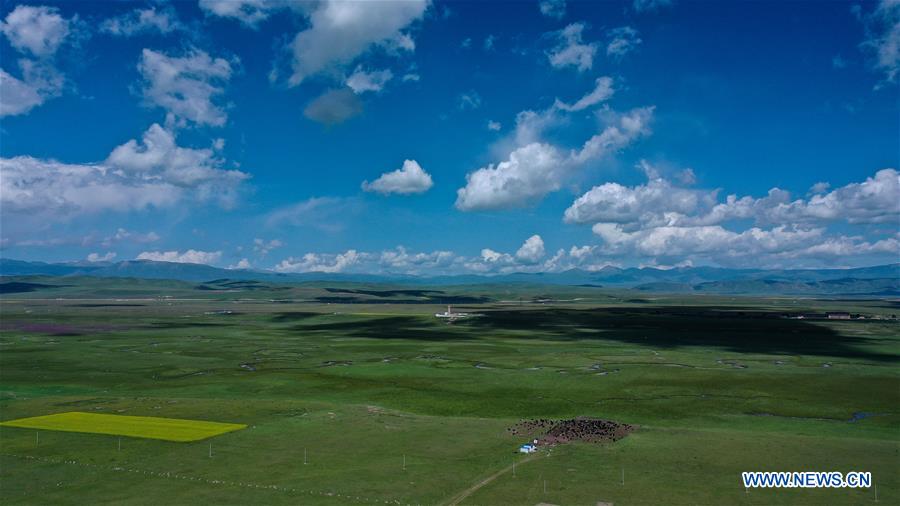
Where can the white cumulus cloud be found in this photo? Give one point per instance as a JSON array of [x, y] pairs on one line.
[[603, 91], [320, 262], [38, 30], [248, 12], [661, 222], [528, 174], [532, 250], [622, 41], [158, 155], [147, 20], [882, 42], [242, 264], [37, 33], [489, 255], [17, 96], [190, 256], [186, 86], [97, 257], [40, 82], [263, 247], [47, 187], [362, 81], [408, 179], [399, 260], [152, 173], [553, 8], [641, 205], [622, 129], [755, 246], [340, 31], [538, 168], [571, 49], [661, 203]]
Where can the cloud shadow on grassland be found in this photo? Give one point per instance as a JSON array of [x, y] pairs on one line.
[[729, 328], [392, 327]]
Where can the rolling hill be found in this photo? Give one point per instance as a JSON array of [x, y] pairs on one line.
[[881, 280]]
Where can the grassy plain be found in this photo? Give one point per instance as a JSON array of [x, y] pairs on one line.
[[355, 394]]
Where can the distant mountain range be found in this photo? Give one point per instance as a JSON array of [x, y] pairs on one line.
[[881, 280]]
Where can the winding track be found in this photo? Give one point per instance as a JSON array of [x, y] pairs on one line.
[[461, 496]]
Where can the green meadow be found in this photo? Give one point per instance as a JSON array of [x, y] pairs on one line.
[[356, 394]]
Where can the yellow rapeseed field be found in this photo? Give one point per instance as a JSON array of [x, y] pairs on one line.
[[169, 429]]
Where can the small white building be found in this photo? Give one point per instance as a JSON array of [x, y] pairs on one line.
[[527, 448], [450, 315]]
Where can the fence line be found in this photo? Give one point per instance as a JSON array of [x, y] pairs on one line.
[[184, 477]]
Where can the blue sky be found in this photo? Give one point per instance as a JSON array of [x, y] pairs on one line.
[[450, 137]]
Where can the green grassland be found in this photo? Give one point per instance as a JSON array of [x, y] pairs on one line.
[[356, 394]]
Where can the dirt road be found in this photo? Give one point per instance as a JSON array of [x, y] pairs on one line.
[[461, 496]]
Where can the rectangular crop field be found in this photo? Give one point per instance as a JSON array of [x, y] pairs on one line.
[[169, 429]]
